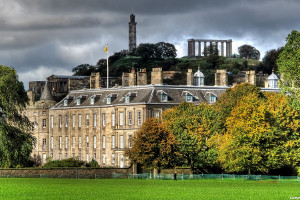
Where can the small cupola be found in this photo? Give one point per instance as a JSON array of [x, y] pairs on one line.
[[198, 78], [272, 80]]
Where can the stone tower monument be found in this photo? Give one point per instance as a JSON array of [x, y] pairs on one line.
[[132, 33]]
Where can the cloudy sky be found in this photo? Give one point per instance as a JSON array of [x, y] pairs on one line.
[[44, 37]]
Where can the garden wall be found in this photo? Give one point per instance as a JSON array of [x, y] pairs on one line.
[[65, 172]]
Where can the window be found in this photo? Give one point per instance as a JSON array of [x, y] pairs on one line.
[[34, 123], [95, 120], [79, 156], [113, 119], [189, 98], [113, 158], [113, 141], [60, 142], [44, 123], [66, 155], [121, 119], [51, 118], [87, 120], [44, 113], [44, 158], [60, 156], [92, 100], [164, 97], [73, 155], [87, 141], [60, 121], [44, 143], [73, 142], [95, 142], [78, 101], [103, 119], [127, 99], [130, 141], [87, 157], [156, 114], [108, 100], [212, 98], [130, 118], [66, 102], [95, 157], [139, 121], [66, 143], [103, 141], [121, 141], [51, 142], [79, 120], [73, 120], [103, 158], [66, 121], [79, 142]]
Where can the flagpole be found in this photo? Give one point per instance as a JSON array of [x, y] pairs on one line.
[[107, 71]]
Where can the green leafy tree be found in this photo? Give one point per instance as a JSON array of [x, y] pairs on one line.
[[16, 139], [269, 61], [289, 64], [193, 126], [146, 51], [154, 146], [165, 50], [248, 52], [83, 70]]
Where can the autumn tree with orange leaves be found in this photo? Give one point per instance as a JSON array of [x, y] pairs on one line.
[[154, 146]]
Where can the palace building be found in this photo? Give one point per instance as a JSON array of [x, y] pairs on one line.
[[99, 123]]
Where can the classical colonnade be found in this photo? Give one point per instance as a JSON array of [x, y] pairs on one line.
[[192, 46]]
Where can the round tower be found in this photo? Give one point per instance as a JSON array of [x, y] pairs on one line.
[[132, 33]]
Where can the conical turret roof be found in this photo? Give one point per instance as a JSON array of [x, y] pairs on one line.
[[46, 94]]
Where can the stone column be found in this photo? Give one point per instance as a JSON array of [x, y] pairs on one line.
[[217, 47], [199, 48], [230, 49], [227, 49], [193, 48], [189, 48], [222, 48]]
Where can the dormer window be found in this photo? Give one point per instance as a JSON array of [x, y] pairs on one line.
[[66, 102], [92, 101], [129, 96], [212, 98], [80, 99], [127, 99], [94, 98], [163, 96], [189, 98], [110, 98]]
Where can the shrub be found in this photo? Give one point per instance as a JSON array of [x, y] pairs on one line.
[[71, 162], [93, 164]]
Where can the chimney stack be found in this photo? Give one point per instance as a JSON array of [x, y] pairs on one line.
[[156, 76]]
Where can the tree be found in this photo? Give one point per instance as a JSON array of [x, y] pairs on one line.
[[248, 52], [262, 135], [16, 139], [83, 70], [269, 61], [146, 51], [154, 146], [230, 98], [193, 126], [289, 64], [165, 50]]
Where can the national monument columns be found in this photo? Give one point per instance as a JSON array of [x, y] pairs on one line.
[[192, 46]]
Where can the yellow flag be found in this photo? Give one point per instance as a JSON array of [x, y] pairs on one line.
[[106, 49]]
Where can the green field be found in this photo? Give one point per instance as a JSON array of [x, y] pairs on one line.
[[31, 188]]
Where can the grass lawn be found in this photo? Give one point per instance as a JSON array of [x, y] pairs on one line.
[[31, 188]]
